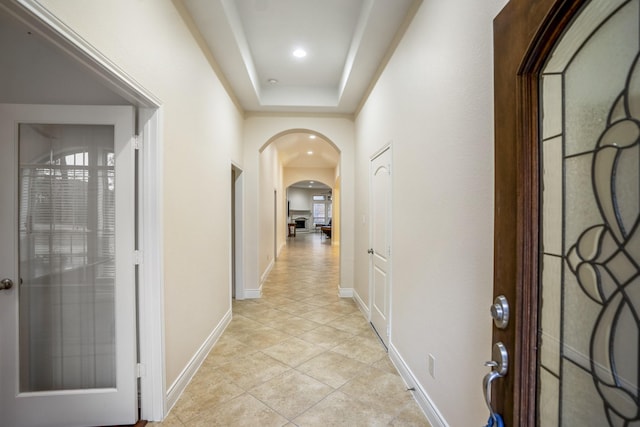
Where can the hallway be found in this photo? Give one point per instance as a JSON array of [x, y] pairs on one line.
[[299, 356]]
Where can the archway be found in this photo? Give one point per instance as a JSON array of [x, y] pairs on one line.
[[309, 206], [290, 157]]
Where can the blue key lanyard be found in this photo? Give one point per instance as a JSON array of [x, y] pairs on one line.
[[495, 423]]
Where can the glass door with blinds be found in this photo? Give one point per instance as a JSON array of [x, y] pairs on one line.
[[68, 347]]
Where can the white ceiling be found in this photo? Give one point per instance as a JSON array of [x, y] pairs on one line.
[[347, 44]]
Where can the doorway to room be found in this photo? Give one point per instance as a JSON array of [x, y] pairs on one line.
[[310, 208], [82, 78], [237, 212], [298, 172]]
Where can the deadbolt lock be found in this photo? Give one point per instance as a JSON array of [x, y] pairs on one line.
[[500, 312]]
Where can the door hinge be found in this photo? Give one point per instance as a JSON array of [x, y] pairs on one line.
[[388, 251], [137, 143], [140, 370], [137, 257]]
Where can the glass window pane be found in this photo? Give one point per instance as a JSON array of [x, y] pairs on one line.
[[67, 257]]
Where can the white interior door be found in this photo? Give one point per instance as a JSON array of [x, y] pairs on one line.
[[67, 341], [381, 243]]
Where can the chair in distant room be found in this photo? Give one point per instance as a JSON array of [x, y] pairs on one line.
[[326, 230]]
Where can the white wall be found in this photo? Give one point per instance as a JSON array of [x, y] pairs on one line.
[[270, 182], [301, 199], [260, 130], [434, 104], [201, 131], [326, 176], [35, 72]]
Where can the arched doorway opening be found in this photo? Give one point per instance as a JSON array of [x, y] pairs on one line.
[[309, 208], [289, 163]]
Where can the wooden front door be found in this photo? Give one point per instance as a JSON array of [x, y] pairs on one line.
[[567, 255]]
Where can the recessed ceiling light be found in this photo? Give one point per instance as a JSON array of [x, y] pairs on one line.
[[272, 81], [309, 152], [299, 53], [312, 137]]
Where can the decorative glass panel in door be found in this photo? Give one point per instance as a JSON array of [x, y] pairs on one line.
[[589, 330]]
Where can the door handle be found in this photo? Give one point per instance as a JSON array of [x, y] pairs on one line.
[[499, 368], [369, 251], [6, 284]]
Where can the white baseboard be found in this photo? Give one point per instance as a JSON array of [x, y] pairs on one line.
[[345, 292], [419, 394], [180, 384], [266, 272], [363, 307], [253, 293]]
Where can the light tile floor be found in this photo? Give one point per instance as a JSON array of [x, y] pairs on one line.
[[299, 356]]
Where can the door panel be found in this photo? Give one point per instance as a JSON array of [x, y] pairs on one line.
[[68, 336], [381, 243], [567, 207]]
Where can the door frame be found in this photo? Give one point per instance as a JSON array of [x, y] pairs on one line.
[[387, 147], [237, 233], [150, 190], [525, 31]]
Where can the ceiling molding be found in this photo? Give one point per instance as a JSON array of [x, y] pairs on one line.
[[202, 44], [250, 43], [411, 13]]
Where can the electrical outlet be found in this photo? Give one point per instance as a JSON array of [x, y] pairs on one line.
[[432, 366]]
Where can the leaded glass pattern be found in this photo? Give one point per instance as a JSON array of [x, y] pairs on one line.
[[589, 324]]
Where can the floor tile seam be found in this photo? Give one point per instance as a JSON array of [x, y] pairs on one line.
[[333, 389], [268, 406], [365, 383], [308, 330], [231, 380], [209, 409], [368, 344], [374, 403], [314, 378], [200, 410], [301, 363], [314, 405], [327, 348], [280, 310], [356, 359], [322, 350], [413, 402], [288, 368]]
